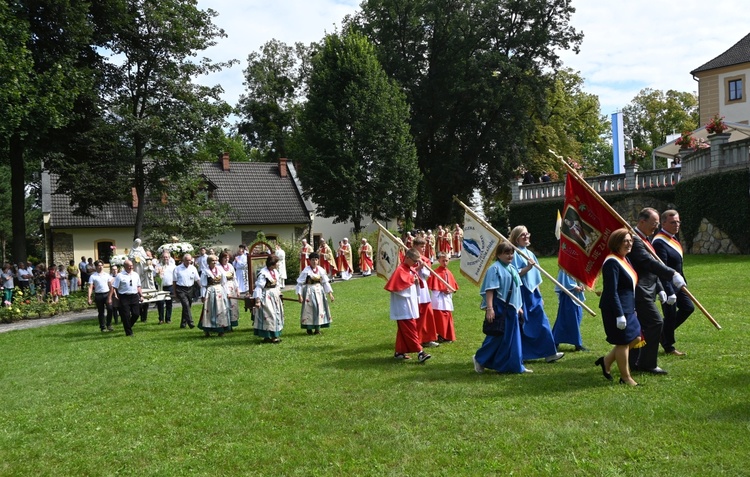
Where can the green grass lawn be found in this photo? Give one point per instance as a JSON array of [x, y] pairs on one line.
[[169, 402]]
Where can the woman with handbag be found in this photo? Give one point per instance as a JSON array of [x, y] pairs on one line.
[[501, 300]]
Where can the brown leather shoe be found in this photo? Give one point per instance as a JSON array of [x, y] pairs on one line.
[[675, 352]]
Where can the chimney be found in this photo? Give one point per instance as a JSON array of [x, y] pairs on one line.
[[224, 161], [282, 167]]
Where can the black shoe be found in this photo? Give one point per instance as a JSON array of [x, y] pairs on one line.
[[183, 325], [582, 348], [309, 332], [657, 370], [191, 325], [423, 357], [600, 362]]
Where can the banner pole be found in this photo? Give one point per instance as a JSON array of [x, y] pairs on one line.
[[625, 224], [536, 265]]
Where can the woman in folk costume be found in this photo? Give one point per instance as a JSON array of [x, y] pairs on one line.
[[215, 316], [232, 287], [442, 299], [240, 269], [365, 258], [344, 260], [618, 307], [536, 334], [458, 238], [304, 253], [326, 259], [404, 308], [312, 287], [567, 328], [268, 314], [503, 305]]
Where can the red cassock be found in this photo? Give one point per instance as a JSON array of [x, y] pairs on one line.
[[443, 318], [407, 335]]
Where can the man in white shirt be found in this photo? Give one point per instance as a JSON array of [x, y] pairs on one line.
[[240, 267], [128, 286], [185, 276], [99, 287], [166, 272]]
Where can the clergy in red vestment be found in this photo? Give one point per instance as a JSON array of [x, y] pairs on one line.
[[365, 258], [304, 253], [458, 239], [326, 258]]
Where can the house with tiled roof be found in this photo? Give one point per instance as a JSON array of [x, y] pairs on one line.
[[722, 84], [263, 197]]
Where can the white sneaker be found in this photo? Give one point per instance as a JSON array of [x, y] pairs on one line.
[[431, 344], [477, 367], [527, 370], [554, 357]]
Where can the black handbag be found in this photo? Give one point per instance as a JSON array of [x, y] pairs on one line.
[[497, 327]]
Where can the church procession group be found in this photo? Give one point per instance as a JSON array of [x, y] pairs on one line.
[[421, 297]]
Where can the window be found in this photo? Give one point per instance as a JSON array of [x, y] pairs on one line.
[[104, 250], [735, 90]]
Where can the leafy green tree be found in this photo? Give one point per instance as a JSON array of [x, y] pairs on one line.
[[151, 113], [216, 142], [356, 154], [44, 45], [569, 123], [653, 115], [472, 71], [186, 211], [275, 80]]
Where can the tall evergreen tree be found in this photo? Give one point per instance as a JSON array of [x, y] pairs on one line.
[[356, 154]]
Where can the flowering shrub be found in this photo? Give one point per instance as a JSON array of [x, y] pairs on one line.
[[636, 154], [716, 125], [29, 307], [686, 140]]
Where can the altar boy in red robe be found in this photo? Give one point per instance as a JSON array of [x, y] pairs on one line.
[[405, 307], [442, 299]]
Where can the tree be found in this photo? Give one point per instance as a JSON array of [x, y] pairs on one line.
[[652, 115], [569, 123], [472, 71], [188, 212], [44, 45], [356, 154], [275, 81], [216, 142], [151, 114]]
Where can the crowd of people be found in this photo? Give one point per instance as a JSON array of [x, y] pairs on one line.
[[516, 326], [41, 282]]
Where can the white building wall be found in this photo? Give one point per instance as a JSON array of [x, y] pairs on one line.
[[738, 112]]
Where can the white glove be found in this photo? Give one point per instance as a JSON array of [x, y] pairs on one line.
[[621, 323], [662, 296], [678, 281], [672, 299]]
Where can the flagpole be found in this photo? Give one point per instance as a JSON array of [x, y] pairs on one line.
[[520, 252], [450, 289], [625, 224]]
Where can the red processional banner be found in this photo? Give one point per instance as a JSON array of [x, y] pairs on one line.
[[584, 232]]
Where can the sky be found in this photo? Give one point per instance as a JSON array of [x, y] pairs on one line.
[[627, 46]]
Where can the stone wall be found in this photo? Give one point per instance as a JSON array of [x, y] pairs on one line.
[[63, 251], [711, 239]]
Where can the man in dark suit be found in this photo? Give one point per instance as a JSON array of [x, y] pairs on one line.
[[678, 306], [650, 270]]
